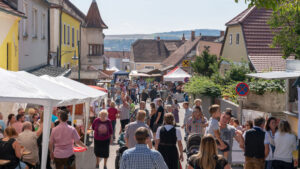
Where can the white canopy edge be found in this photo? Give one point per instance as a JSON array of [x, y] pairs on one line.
[[276, 75]]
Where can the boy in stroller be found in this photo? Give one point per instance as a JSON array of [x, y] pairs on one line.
[[120, 151], [193, 144]]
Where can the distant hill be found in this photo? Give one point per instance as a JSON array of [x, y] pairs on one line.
[[123, 42]]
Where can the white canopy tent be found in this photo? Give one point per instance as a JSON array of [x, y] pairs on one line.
[[23, 87], [90, 92], [176, 75]]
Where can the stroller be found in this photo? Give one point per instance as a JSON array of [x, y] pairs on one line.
[[193, 144], [120, 151]]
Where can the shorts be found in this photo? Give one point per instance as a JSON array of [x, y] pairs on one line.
[[227, 146]]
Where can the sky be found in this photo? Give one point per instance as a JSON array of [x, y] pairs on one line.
[[153, 16]]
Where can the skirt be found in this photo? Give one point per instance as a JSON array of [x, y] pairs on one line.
[[101, 148]]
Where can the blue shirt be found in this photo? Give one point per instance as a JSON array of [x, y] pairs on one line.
[[2, 124], [141, 157], [54, 118]]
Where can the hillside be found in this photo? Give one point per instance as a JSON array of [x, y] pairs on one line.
[[123, 42]]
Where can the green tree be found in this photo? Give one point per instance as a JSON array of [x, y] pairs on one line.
[[285, 23], [206, 64]]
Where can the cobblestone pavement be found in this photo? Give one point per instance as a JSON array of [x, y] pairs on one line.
[[87, 160]]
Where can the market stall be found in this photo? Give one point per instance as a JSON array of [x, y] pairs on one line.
[[176, 75]]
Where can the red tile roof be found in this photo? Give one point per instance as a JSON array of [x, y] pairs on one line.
[[117, 54], [214, 47], [268, 63], [9, 9], [93, 18], [258, 37], [181, 52]]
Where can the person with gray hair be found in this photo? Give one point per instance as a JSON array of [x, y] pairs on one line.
[[28, 139]]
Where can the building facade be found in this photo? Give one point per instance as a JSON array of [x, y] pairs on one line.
[[33, 34], [9, 42]]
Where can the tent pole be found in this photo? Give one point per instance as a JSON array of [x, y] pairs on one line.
[[73, 114], [87, 115], [46, 133]]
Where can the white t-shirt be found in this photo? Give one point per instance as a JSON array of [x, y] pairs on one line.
[[285, 144], [169, 127]]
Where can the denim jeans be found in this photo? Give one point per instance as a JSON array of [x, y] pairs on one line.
[[268, 164]]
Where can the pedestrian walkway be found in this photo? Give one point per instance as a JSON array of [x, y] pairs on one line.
[[87, 160]]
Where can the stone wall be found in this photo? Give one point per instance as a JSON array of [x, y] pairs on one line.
[[269, 102], [228, 104]]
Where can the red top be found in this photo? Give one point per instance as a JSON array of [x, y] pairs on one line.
[[112, 113]]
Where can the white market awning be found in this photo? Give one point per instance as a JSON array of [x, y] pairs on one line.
[[276, 75], [176, 75]]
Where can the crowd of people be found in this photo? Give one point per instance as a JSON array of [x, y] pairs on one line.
[[152, 137]]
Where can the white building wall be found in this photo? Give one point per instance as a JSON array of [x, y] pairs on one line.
[[33, 50]]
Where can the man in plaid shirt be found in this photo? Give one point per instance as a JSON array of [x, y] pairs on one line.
[[196, 123], [141, 157]]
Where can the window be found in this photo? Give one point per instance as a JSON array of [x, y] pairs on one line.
[[68, 34], [64, 33], [94, 50], [73, 37], [34, 23], [237, 38], [43, 26], [230, 39], [25, 21], [149, 67]]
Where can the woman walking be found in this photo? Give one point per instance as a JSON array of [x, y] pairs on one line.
[[112, 116], [271, 129], [285, 144], [176, 108], [11, 120], [102, 137], [207, 157], [167, 136], [152, 115]]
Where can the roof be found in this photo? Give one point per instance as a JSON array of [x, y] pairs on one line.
[[214, 47], [90, 74], [50, 71], [267, 63], [8, 8], [117, 54], [258, 37], [150, 50], [76, 10], [93, 18], [240, 17], [276, 75], [181, 52], [210, 38]]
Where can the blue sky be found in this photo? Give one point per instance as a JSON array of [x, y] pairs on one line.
[[151, 16]]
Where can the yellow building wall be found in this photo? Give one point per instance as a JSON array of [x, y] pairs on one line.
[[234, 52], [67, 51], [9, 47]]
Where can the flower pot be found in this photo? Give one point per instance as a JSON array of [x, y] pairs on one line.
[[226, 97]]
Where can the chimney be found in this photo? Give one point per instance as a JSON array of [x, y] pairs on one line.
[[222, 33], [183, 38], [193, 35], [158, 38]]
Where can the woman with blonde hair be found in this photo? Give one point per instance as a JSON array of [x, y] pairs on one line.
[[207, 157], [102, 137], [285, 144]]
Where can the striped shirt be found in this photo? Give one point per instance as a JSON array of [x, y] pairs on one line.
[[141, 157]]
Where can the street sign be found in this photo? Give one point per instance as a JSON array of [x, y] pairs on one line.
[[242, 89], [185, 63], [186, 79]]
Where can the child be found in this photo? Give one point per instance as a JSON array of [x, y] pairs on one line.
[[214, 129], [176, 108], [187, 115]]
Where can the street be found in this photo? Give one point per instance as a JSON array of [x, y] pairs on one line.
[[87, 160]]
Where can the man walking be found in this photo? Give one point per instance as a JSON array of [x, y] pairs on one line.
[[142, 107], [61, 144], [227, 133], [141, 157], [133, 126], [256, 146]]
